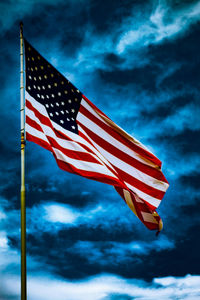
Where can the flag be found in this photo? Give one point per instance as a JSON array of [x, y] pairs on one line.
[[86, 142]]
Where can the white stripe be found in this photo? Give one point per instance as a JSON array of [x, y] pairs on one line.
[[151, 181], [153, 201], [36, 133], [83, 165], [41, 108]]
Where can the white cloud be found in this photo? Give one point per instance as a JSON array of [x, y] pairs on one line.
[[163, 23], [59, 213], [106, 286], [52, 216], [3, 241], [2, 215]]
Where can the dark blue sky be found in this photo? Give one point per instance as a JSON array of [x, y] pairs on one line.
[[139, 62]]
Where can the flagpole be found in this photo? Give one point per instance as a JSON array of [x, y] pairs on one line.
[[23, 201]]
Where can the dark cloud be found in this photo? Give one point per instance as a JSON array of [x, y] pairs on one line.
[[191, 180], [183, 142], [144, 77], [169, 107]]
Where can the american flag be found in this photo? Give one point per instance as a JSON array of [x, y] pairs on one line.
[[86, 142]]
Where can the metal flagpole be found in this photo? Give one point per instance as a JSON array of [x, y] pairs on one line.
[[23, 201]]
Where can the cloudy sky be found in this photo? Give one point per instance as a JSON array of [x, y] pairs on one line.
[[139, 62]]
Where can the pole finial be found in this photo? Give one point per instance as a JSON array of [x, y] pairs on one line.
[[21, 26]]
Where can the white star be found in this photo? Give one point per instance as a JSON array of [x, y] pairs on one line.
[[47, 105], [35, 78], [78, 91], [49, 86], [29, 88], [57, 103], [66, 92], [73, 127], [63, 103], [67, 111], [31, 69], [39, 88], [55, 84], [29, 77], [40, 78], [70, 101], [34, 86], [61, 121], [51, 114], [72, 110], [76, 99], [72, 119], [57, 113], [45, 76], [47, 96], [59, 94], [51, 105], [52, 95], [38, 95], [42, 97], [43, 87], [36, 68], [68, 119], [62, 112]]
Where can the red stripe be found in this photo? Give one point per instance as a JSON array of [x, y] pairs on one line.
[[90, 175], [94, 106], [38, 141], [33, 124], [82, 156], [126, 177], [121, 138], [153, 172], [44, 120], [145, 188]]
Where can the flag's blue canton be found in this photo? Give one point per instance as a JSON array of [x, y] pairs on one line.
[[49, 87]]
